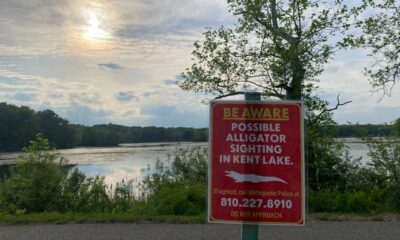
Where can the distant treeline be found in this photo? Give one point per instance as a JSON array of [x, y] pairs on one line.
[[19, 125], [363, 130]]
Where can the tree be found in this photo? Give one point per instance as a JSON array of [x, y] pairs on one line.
[[17, 127], [56, 129], [277, 47], [381, 35], [99, 135]]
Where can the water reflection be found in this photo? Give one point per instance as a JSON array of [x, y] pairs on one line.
[[128, 161], [131, 161], [357, 148]]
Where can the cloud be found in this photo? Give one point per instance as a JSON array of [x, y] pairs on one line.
[[79, 97], [125, 96], [372, 114], [11, 80], [180, 27], [169, 82], [55, 95], [37, 24], [112, 66], [25, 97], [170, 116], [85, 115], [171, 21], [178, 79], [33, 12], [332, 69]]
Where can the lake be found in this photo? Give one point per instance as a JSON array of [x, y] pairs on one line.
[[127, 161], [131, 161]]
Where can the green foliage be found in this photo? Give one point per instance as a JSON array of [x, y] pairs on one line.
[[77, 217], [363, 130], [396, 128], [374, 187], [385, 166], [382, 38], [178, 187], [42, 182], [18, 125], [355, 202], [99, 136], [123, 197], [277, 48], [56, 129], [87, 194], [378, 23], [327, 164], [36, 184], [385, 159]]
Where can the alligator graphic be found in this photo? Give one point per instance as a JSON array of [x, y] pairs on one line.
[[239, 177]]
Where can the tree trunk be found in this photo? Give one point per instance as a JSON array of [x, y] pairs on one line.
[[295, 90]]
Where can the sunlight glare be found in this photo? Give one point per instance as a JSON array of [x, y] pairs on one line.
[[95, 29], [91, 26]]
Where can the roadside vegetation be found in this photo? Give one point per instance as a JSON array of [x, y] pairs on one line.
[[353, 187], [42, 188]]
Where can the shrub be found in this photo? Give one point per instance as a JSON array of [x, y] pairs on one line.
[[178, 186], [36, 182], [41, 182]]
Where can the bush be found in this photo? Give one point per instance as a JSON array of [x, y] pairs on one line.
[[36, 182], [178, 187], [385, 167], [41, 182], [348, 202]]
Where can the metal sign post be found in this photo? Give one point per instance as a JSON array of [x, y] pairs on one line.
[[250, 231]]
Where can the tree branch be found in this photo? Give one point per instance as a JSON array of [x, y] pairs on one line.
[[338, 104], [230, 94]]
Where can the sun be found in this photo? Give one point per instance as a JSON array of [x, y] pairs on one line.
[[95, 29], [91, 26]]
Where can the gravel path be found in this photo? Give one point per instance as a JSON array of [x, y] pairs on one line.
[[313, 230]]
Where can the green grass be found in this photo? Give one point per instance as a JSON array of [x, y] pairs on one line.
[[354, 217], [63, 218]]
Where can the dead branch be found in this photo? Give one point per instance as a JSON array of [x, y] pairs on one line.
[[230, 94], [338, 104]]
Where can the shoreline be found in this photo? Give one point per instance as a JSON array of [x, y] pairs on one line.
[[7, 158]]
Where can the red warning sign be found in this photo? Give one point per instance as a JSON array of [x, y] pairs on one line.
[[256, 170]]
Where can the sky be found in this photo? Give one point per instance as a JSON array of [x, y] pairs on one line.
[[117, 61]]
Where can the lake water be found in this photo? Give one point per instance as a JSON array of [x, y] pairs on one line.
[[127, 161], [131, 161], [357, 148]]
